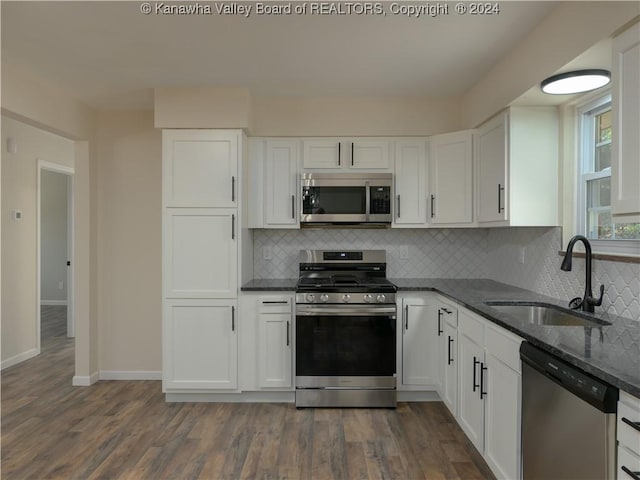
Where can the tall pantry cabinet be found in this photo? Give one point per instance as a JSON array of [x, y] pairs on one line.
[[200, 259]]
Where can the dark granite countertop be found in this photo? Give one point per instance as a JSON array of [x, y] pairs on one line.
[[610, 352], [270, 285]]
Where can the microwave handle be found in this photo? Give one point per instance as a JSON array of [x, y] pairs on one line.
[[367, 208]]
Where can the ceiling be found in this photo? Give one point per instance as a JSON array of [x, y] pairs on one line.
[[109, 55]]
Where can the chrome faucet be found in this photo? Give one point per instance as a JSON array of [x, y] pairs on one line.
[[587, 303]]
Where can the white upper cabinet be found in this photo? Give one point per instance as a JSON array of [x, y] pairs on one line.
[[625, 171], [281, 184], [200, 168], [410, 183], [451, 178], [343, 153], [517, 168]]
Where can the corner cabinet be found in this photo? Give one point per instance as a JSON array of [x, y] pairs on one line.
[[625, 169], [201, 229], [448, 352], [517, 168]]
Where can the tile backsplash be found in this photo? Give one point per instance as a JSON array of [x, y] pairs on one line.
[[525, 257]]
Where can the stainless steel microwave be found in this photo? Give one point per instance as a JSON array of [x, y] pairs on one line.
[[346, 199]]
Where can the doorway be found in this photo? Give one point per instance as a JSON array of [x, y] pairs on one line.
[[55, 319]]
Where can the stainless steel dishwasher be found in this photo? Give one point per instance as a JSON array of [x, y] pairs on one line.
[[568, 420]]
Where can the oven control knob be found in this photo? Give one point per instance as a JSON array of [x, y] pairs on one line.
[[381, 298], [310, 297], [324, 297], [346, 297], [368, 298]]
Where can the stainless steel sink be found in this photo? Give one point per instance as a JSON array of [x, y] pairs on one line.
[[543, 314]]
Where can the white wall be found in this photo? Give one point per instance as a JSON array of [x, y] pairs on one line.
[[53, 237], [19, 243]]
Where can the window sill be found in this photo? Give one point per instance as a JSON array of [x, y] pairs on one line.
[[605, 256]]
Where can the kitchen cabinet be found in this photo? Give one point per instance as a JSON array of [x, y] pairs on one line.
[[451, 178], [419, 344], [625, 169], [410, 183], [628, 437], [489, 390], [448, 352], [200, 264], [200, 345], [275, 340], [338, 153], [517, 168], [281, 184]]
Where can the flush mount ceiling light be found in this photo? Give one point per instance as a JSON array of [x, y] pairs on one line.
[[576, 82]]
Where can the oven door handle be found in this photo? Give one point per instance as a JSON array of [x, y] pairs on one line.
[[345, 310]]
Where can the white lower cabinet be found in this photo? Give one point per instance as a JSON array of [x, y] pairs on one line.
[[628, 436], [275, 342], [201, 345], [419, 343], [489, 391]]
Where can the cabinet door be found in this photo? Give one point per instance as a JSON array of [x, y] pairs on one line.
[[200, 253], [502, 421], [419, 345], [410, 182], [492, 157], [451, 164], [274, 350], [281, 170], [322, 154], [370, 154], [625, 169], [200, 168], [200, 345], [471, 406], [450, 380]]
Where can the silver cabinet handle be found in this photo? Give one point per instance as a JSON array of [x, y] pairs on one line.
[[233, 318], [433, 199], [398, 206], [500, 190], [406, 317], [293, 206], [233, 189], [288, 341]]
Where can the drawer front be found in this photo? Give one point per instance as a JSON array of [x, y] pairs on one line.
[[503, 345], [630, 462], [471, 326], [628, 436], [275, 305]]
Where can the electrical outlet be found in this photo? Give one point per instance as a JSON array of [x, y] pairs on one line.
[[60, 286], [521, 255], [404, 252], [266, 253]]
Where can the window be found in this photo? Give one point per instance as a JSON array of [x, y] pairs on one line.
[[594, 216]]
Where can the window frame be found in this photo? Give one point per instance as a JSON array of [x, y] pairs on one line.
[[585, 160]]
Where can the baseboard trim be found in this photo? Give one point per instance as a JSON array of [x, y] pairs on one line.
[[21, 357], [244, 397], [85, 380], [53, 302], [130, 375], [407, 396]]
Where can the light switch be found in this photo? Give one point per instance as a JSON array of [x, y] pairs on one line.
[[16, 215], [404, 252]]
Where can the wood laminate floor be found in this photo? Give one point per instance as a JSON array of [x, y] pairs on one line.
[[126, 430]]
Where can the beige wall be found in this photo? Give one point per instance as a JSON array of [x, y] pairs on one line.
[[129, 157], [19, 242]]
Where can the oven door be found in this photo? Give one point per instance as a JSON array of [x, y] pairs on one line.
[[345, 346]]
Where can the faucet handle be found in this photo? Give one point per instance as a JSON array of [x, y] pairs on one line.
[[596, 302]]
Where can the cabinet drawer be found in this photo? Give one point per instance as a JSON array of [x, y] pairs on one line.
[[274, 305], [629, 461], [471, 326], [627, 435], [504, 346]]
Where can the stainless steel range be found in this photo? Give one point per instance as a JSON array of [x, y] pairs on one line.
[[345, 330]]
